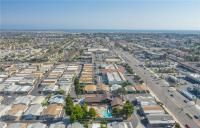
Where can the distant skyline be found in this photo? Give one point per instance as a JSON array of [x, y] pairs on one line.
[[100, 14]]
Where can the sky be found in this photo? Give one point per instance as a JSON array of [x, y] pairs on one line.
[[100, 14]]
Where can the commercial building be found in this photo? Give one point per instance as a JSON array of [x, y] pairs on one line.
[[152, 109], [160, 121], [194, 78]]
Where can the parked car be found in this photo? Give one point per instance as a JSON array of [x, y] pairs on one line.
[[187, 126], [196, 117]]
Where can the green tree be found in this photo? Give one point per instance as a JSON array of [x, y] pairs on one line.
[[127, 109], [85, 110], [78, 89], [124, 84], [78, 112], [61, 91], [177, 125], [92, 113], [116, 112], [69, 105], [72, 118]]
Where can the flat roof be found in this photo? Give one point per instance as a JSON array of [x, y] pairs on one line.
[[152, 107], [160, 119]]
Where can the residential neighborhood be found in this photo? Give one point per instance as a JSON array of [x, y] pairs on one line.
[[96, 81]]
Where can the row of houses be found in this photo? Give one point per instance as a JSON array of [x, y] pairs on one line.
[[91, 88], [21, 82], [30, 108], [61, 78], [66, 81], [100, 88], [40, 125], [54, 75], [86, 76], [154, 113], [32, 125]]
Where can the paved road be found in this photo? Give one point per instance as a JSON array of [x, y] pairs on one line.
[[161, 91]]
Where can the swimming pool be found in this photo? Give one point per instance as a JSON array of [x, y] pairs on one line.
[[106, 114]]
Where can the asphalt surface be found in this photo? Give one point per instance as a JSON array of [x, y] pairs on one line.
[[175, 104]]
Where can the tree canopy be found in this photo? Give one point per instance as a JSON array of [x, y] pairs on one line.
[[127, 109], [92, 113]]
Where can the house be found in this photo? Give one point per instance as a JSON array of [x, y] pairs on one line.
[[33, 112], [15, 112], [57, 125], [160, 121], [141, 88], [90, 88], [17, 125], [75, 125], [53, 111], [97, 98], [11, 89], [25, 100], [38, 100], [49, 81], [37, 125], [117, 103], [57, 99], [114, 87], [50, 89], [103, 88], [4, 109], [38, 74]]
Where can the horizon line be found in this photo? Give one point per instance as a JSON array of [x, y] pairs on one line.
[[35, 29]]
